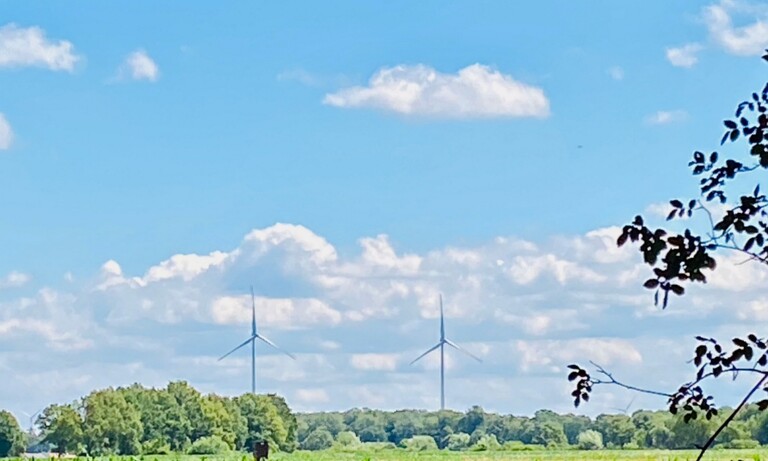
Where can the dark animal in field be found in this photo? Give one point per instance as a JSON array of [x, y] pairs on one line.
[[260, 451]]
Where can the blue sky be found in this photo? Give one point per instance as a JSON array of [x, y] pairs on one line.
[[352, 160]]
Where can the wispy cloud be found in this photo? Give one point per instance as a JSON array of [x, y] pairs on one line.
[[6, 133], [746, 40], [616, 73], [684, 56], [664, 117], [476, 91], [139, 66], [29, 47]]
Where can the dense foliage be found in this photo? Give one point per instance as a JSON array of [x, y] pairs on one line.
[[11, 437], [177, 418], [477, 430]]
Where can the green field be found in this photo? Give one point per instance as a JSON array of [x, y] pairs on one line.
[[395, 455]]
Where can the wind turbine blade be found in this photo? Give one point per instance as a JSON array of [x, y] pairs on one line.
[[442, 319], [238, 347], [425, 353], [459, 348], [275, 346], [253, 313]]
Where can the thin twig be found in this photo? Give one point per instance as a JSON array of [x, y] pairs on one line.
[[612, 380]]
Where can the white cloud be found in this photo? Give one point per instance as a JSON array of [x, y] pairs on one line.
[[616, 73], [746, 40], [139, 66], [684, 56], [378, 362], [28, 47], [14, 279], [6, 133], [528, 308], [664, 117], [476, 91]]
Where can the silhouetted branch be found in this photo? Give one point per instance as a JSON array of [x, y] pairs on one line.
[[730, 417], [612, 380]]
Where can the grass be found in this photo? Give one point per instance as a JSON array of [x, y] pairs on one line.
[[402, 455]]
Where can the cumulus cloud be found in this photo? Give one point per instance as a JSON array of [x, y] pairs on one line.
[[139, 66], [665, 117], [745, 40], [29, 47], [354, 318], [6, 133], [684, 56], [476, 91]]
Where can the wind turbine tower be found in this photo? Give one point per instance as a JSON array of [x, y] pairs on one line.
[[441, 345], [252, 340]]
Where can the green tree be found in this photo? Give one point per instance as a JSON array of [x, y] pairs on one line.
[[62, 426], [617, 430], [263, 422], [289, 422], [12, 440], [111, 424]]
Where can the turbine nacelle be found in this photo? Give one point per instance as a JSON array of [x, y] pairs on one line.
[[441, 345]]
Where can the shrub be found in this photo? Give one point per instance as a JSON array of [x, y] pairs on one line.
[[741, 444], [487, 443], [155, 447], [590, 440], [319, 439], [457, 442], [516, 445], [347, 439], [419, 443], [212, 445]]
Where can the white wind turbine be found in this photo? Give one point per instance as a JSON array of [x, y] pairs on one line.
[[252, 340], [441, 344]]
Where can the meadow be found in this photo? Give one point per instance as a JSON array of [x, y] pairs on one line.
[[442, 455]]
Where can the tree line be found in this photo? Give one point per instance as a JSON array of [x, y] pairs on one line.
[[179, 419], [476, 429], [138, 420]]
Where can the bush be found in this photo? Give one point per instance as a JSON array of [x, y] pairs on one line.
[[155, 447], [347, 440], [457, 442], [319, 439], [487, 443], [516, 445], [419, 443], [377, 446], [212, 445], [741, 444], [590, 440]]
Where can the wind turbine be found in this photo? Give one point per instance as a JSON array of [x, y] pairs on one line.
[[625, 410], [254, 336], [441, 345]]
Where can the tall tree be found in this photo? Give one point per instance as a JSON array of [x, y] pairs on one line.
[[112, 425], [62, 426], [11, 437]]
